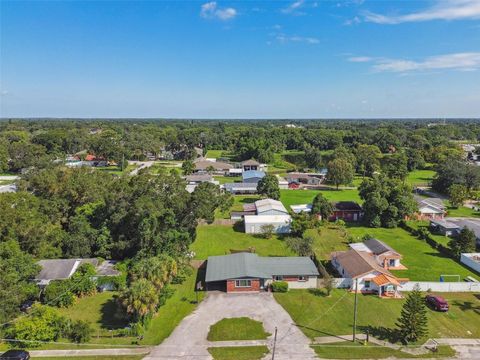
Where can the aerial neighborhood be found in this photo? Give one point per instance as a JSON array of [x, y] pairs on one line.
[[126, 246]]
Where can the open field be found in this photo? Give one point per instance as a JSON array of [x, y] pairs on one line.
[[349, 350], [219, 239], [424, 263], [462, 211], [318, 315], [291, 197], [242, 328], [238, 352], [420, 177]]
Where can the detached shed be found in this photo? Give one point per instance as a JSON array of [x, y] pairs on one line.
[[254, 224]]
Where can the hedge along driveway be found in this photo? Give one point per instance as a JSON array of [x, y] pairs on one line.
[[424, 263], [220, 239]]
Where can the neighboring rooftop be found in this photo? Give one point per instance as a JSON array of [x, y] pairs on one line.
[[430, 201], [248, 265], [217, 165], [199, 178], [240, 186], [267, 219], [250, 162], [59, 269], [358, 263], [269, 204], [252, 174], [444, 223], [346, 206]]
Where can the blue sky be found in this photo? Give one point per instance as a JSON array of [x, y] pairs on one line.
[[242, 59]]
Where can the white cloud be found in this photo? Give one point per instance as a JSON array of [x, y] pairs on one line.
[[468, 61], [352, 21], [294, 8], [360, 59], [442, 10], [299, 39], [210, 10]]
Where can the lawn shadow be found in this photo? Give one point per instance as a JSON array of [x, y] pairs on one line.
[[112, 317], [467, 306], [326, 333], [239, 226], [382, 333]]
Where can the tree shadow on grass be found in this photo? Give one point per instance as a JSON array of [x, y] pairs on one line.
[[467, 306], [320, 332], [382, 333], [111, 317]]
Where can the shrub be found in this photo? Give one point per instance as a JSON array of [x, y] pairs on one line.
[[58, 293], [80, 331], [280, 286], [44, 323]]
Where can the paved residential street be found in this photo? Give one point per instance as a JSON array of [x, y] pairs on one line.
[[189, 340]]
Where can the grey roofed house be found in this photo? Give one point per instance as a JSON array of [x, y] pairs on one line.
[[430, 201], [269, 206], [240, 187], [248, 265], [198, 178], [472, 224], [60, 269], [252, 175]]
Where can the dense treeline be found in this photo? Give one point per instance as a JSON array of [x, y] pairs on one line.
[[35, 143]]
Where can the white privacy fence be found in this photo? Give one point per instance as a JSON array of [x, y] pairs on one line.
[[461, 286]]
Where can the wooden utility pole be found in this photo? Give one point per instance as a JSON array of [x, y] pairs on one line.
[[355, 311], [274, 343]]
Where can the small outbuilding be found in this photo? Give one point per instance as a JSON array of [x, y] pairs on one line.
[[256, 224]]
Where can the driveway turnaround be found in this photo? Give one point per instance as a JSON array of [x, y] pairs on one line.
[[189, 340]]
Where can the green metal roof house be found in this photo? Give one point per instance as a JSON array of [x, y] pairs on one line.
[[250, 272]]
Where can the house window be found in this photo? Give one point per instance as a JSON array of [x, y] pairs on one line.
[[391, 262], [278, 277], [367, 283], [302, 278], [243, 283]]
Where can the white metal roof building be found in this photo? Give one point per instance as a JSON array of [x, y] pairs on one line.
[[270, 207], [254, 224]]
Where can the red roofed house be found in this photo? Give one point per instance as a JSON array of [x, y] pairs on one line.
[[348, 211]]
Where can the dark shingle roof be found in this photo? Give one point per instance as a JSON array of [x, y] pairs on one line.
[[377, 247], [347, 206], [242, 265]]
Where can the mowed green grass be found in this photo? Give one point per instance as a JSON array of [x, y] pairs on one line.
[[349, 350], [103, 357], [420, 177], [295, 197], [238, 352], [242, 328], [320, 316], [327, 239], [214, 153], [220, 239], [424, 263], [238, 202], [462, 211]]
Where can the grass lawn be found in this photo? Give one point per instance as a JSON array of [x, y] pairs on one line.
[[119, 357], [326, 240], [219, 239], [349, 350], [214, 153], [441, 239], [242, 328], [238, 352], [99, 310], [423, 262], [318, 315], [291, 197], [462, 211], [238, 202], [420, 177]]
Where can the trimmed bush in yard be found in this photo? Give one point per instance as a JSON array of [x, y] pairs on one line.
[[280, 286]]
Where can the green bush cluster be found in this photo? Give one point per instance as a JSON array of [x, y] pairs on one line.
[[280, 286]]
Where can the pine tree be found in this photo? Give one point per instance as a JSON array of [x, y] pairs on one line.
[[413, 318]]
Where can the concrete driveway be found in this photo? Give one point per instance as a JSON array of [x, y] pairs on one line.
[[189, 339]]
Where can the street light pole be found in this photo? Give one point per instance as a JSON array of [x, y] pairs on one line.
[[355, 311]]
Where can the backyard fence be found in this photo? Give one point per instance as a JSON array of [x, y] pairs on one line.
[[458, 286], [461, 286]]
